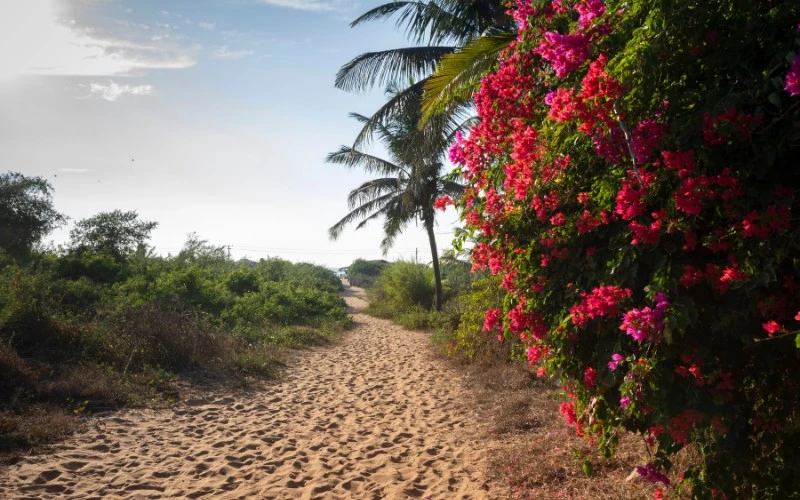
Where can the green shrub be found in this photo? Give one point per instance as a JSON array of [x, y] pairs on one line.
[[459, 332], [98, 267], [282, 304], [172, 337], [417, 318], [402, 287], [25, 306], [363, 273], [243, 281], [78, 296]]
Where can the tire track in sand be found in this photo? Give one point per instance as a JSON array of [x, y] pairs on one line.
[[374, 416]]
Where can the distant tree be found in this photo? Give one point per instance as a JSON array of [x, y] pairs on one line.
[[411, 181], [26, 212], [197, 250], [116, 233], [363, 273]]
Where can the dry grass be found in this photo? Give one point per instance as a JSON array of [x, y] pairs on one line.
[[534, 454], [32, 429]]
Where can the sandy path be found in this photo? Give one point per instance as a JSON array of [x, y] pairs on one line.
[[375, 416]]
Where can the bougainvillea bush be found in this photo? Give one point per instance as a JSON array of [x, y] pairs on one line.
[[633, 183]]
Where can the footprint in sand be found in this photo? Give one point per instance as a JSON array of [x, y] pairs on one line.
[[368, 417]]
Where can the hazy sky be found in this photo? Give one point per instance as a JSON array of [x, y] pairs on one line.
[[207, 116]]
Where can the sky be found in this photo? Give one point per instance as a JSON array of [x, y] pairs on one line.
[[207, 116]]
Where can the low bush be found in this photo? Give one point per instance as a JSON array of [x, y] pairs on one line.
[[80, 330], [363, 273], [403, 286], [460, 331]]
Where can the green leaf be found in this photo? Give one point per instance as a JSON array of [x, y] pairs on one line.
[[797, 341], [587, 468]]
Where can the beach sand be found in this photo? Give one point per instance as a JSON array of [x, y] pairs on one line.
[[376, 415]]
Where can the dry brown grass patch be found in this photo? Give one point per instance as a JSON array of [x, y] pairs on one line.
[[535, 454], [33, 428]]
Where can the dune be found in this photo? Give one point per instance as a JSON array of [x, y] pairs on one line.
[[376, 415]]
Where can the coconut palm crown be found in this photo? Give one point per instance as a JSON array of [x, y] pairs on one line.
[[457, 41], [407, 185]]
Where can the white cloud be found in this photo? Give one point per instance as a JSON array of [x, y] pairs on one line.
[[327, 5], [207, 26], [225, 53], [45, 45], [111, 91], [76, 170]]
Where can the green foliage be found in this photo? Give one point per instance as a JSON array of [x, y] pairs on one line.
[[97, 267], [110, 326], [116, 233], [243, 281], [655, 270], [409, 182], [26, 212], [363, 273], [457, 277], [403, 286], [460, 334], [304, 274], [255, 315]]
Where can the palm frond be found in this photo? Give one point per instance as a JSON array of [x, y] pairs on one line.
[[396, 220], [373, 190], [480, 15], [352, 158], [365, 212], [462, 127], [451, 188], [387, 66], [426, 22], [402, 104], [372, 126], [458, 74]]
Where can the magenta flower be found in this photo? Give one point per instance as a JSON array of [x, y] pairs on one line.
[[624, 401], [650, 474], [793, 77], [616, 359], [564, 52]]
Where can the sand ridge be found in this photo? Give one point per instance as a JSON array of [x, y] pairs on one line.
[[374, 416]]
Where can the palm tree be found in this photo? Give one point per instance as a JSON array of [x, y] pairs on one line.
[[408, 185], [457, 42]]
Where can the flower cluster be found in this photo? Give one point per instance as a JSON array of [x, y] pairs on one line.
[[646, 323], [601, 301], [793, 77], [587, 192]]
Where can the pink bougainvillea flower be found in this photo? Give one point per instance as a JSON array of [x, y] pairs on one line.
[[616, 359], [646, 323], [624, 401], [441, 203], [772, 327], [534, 354], [589, 10], [565, 52], [492, 320], [589, 377], [567, 411], [650, 474], [793, 77]]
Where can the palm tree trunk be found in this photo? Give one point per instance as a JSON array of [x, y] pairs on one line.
[[437, 276]]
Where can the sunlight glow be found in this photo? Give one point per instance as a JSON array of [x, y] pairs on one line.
[[46, 44]]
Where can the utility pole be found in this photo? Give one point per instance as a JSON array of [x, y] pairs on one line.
[[229, 251], [416, 256]]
